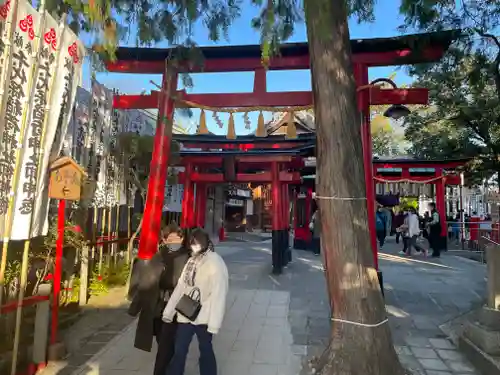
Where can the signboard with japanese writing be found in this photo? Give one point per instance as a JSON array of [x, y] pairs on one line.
[[17, 86], [35, 129], [235, 202], [66, 179], [173, 198], [39, 89]]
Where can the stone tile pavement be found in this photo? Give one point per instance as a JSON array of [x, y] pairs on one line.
[[274, 323]]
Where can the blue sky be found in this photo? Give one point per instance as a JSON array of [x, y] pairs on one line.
[[385, 25]]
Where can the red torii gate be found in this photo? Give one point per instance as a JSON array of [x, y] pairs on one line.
[[366, 53], [440, 173]]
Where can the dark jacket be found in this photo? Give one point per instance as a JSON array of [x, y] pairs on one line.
[[151, 279]]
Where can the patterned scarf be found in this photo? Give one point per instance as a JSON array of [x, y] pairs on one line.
[[191, 268]]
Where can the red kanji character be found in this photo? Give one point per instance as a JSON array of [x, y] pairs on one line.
[[4, 9]]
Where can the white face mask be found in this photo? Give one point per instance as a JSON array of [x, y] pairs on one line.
[[196, 248]]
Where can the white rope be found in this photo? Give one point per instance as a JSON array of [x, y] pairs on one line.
[[361, 324], [340, 198]]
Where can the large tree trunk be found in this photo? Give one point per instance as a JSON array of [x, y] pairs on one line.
[[352, 279]]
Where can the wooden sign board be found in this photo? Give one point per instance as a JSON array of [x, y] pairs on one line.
[[66, 179]]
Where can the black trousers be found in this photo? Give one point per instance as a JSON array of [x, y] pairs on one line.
[[207, 362], [398, 234], [381, 237], [435, 244], [410, 242], [316, 245], [166, 346]]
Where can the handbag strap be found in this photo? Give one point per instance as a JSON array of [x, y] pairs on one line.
[[195, 294]]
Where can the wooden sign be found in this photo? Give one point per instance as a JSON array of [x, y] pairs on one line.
[[66, 179]]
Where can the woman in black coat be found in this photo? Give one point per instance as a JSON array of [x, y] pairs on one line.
[[154, 282]]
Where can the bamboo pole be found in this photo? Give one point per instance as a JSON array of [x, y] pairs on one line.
[[11, 20]]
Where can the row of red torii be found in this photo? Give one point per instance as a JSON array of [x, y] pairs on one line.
[[273, 160]]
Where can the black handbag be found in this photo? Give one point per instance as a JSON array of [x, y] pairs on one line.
[[189, 305]]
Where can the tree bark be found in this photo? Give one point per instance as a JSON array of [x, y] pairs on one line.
[[352, 279]]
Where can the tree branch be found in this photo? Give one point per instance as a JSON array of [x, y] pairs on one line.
[[134, 179], [495, 69]]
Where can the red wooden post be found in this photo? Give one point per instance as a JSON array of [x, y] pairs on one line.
[[201, 204], [286, 223], [148, 243], [276, 222], [309, 213], [61, 218], [193, 216], [187, 206], [285, 206], [441, 202]]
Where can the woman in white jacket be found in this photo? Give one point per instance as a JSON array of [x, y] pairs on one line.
[[207, 272]]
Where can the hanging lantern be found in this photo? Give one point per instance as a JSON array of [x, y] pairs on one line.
[[397, 111], [231, 132], [202, 128], [261, 128]]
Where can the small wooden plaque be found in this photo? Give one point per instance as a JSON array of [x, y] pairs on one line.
[[66, 179]]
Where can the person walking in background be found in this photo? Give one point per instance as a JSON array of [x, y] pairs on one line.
[[397, 223], [413, 232], [381, 225], [204, 282], [434, 231], [455, 228], [388, 220], [315, 227]]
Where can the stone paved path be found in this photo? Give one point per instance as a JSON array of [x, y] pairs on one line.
[[273, 323]]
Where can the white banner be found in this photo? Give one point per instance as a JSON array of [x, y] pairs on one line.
[[63, 91], [173, 198], [112, 172], [35, 132], [121, 180], [5, 9], [102, 102], [17, 86], [81, 122]]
